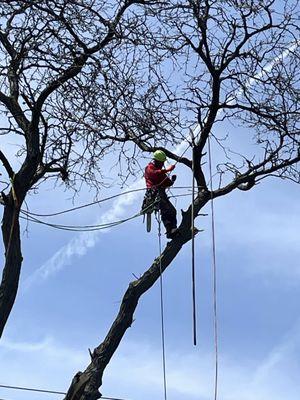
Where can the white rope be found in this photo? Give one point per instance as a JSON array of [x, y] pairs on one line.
[[214, 273], [193, 246], [162, 309]]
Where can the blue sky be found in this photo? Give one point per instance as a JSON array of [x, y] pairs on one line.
[[71, 286]]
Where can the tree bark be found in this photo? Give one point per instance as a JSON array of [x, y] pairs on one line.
[[13, 261]]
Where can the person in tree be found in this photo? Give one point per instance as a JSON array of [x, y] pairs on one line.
[[157, 181]]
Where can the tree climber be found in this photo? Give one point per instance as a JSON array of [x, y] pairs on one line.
[[157, 181]]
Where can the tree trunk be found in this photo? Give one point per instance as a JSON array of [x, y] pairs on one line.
[[13, 261], [85, 384]]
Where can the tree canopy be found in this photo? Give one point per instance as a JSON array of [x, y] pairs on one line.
[[80, 79]]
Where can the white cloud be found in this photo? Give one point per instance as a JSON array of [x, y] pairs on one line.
[[135, 372], [44, 364], [80, 244], [266, 232], [192, 375]]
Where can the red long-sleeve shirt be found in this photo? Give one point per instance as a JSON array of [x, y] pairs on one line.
[[156, 177]]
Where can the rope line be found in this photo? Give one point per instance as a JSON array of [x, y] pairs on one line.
[[32, 389], [214, 273], [83, 228], [87, 204], [162, 308], [193, 248], [86, 228], [95, 202], [29, 389]]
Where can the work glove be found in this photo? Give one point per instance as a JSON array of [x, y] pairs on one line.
[[173, 178], [170, 168]]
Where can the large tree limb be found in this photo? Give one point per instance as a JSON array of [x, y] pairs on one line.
[[6, 165], [16, 111], [85, 385], [13, 261], [249, 177]]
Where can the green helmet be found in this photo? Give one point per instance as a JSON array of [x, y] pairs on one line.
[[159, 155]]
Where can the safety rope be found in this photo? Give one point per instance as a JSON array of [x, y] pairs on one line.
[[25, 215], [193, 246], [162, 308], [82, 228], [214, 273], [87, 204], [96, 202]]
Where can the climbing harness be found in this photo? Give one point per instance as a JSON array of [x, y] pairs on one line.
[[150, 204]]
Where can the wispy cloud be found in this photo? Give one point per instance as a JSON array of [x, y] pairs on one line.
[[81, 243], [136, 373], [44, 364], [191, 375], [268, 68]]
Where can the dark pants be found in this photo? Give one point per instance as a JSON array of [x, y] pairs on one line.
[[157, 199]]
